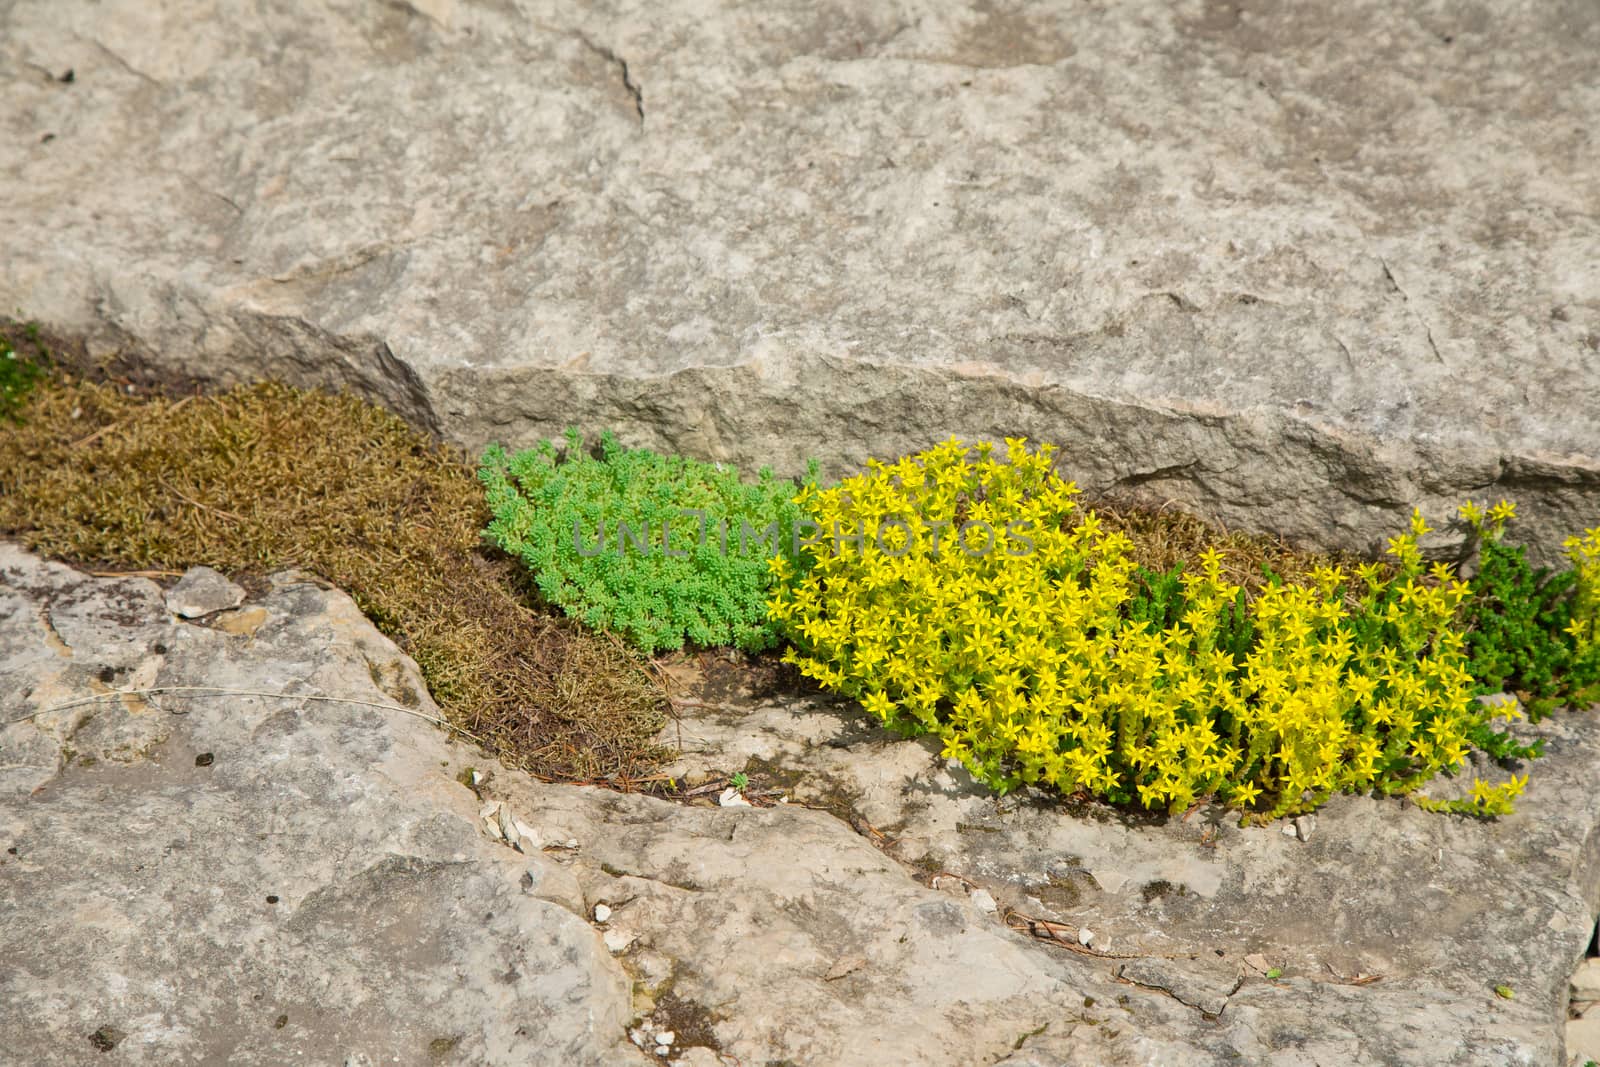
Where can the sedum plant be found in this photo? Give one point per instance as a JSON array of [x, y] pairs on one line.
[[1530, 628], [660, 549], [964, 593]]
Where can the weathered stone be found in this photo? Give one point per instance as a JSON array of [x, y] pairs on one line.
[[331, 856], [1583, 1022], [317, 894], [1441, 907], [201, 592], [1296, 267]]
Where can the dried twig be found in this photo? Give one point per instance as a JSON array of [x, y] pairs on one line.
[[1067, 937], [169, 487], [1355, 979]]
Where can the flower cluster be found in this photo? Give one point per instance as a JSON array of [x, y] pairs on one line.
[[1584, 552], [1033, 667]]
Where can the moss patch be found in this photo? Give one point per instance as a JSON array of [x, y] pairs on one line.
[[265, 477]]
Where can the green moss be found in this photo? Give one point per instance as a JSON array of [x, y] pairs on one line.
[[18, 376]]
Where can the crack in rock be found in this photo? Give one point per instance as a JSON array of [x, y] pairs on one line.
[[635, 90], [1185, 991]]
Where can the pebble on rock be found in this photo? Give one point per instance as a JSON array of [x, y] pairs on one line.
[[201, 592]]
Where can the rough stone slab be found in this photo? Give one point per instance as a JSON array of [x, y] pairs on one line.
[[136, 904], [1445, 908], [225, 878], [1296, 267]]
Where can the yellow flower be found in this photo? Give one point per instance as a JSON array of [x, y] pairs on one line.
[[879, 704]]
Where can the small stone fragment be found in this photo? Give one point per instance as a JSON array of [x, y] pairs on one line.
[[984, 901], [666, 1037], [602, 912], [1258, 963], [528, 840], [1289, 830], [617, 941], [491, 821], [1305, 825], [1085, 936], [201, 592], [732, 798]]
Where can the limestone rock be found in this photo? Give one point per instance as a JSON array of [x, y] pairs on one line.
[[1442, 908], [328, 869], [317, 893], [1294, 267]]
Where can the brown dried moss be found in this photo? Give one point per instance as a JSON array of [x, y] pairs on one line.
[[265, 477]]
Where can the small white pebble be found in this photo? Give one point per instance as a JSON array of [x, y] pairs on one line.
[[602, 912], [666, 1037], [477, 777], [984, 900], [572, 842], [617, 941], [1085, 936], [732, 798], [1289, 830]]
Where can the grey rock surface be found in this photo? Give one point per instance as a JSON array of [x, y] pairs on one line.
[[146, 836], [201, 592], [214, 877], [1443, 908], [1296, 267]]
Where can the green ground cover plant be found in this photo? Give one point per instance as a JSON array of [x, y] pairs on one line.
[[1142, 656], [264, 477], [1070, 664], [660, 549], [1535, 630]]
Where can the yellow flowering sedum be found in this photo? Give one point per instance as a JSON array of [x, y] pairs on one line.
[[966, 594], [1584, 552]]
